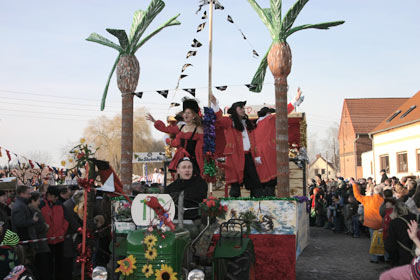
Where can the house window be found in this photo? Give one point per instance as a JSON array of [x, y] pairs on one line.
[[329, 172], [384, 162], [316, 172], [402, 162], [322, 171], [418, 159]]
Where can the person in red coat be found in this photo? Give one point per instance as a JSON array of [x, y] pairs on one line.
[[189, 136], [265, 136], [53, 212], [240, 150]]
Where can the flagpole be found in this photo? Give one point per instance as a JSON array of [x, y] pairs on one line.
[[210, 64]]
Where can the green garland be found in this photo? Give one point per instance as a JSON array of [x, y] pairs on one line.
[[118, 198]]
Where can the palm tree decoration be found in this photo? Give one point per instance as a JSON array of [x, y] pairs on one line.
[[279, 59], [128, 72]]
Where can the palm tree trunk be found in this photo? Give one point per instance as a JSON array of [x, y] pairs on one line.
[[127, 140], [282, 137], [280, 63]]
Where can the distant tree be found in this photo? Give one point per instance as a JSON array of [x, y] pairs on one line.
[[105, 133], [41, 157]]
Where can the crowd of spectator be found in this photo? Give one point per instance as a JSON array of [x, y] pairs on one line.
[[391, 207], [34, 214]]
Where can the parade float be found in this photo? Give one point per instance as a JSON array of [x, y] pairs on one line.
[[253, 238]]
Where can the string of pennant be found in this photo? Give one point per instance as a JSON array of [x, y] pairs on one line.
[[35, 164], [192, 91], [197, 44]]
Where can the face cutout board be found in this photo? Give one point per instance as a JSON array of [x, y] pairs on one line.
[[143, 215]]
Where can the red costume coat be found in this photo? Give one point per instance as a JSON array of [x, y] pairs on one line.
[[234, 149], [181, 151], [265, 137]]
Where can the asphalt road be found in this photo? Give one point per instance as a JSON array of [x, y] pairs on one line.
[[337, 256]]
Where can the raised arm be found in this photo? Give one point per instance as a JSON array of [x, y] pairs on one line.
[[159, 125], [221, 121], [356, 192]]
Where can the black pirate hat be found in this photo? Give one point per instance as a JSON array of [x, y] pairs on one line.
[[190, 104], [264, 111], [235, 105]]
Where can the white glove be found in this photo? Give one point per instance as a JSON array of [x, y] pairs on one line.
[[258, 160], [299, 101]]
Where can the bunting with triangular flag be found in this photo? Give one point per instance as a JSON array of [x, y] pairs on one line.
[[229, 18], [196, 44], [31, 163], [174, 104], [138, 94], [204, 16], [0, 152], [251, 86], [191, 53], [190, 91], [164, 93], [8, 155], [182, 76], [221, 88], [254, 52], [186, 65], [201, 27]]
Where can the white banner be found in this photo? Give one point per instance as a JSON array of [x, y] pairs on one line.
[[149, 157]]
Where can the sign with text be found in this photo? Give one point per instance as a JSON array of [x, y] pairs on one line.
[[143, 215], [149, 157]]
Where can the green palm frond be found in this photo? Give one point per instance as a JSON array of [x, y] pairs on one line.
[[171, 22], [259, 76], [95, 37], [138, 16], [291, 16], [325, 25], [107, 83], [121, 36], [264, 16], [275, 7], [155, 7]]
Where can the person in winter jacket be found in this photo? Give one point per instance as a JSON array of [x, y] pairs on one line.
[[53, 213], [398, 244], [42, 257], [371, 204], [21, 215]]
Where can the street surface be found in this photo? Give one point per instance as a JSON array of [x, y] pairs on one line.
[[331, 256]]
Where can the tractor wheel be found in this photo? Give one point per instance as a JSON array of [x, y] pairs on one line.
[[240, 268]]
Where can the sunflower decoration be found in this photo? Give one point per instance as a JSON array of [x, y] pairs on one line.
[[147, 270], [165, 273], [150, 240], [150, 254], [127, 265]]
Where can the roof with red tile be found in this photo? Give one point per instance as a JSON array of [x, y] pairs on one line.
[[367, 113], [406, 113]]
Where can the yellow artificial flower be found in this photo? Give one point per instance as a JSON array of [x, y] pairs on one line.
[[147, 270], [150, 240], [76, 208], [150, 254], [165, 273], [127, 265], [70, 160], [82, 140], [63, 163]]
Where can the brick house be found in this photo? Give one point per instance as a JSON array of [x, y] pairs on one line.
[[359, 117]]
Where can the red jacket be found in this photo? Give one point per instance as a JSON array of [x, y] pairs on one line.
[[265, 137], [54, 217], [234, 149]]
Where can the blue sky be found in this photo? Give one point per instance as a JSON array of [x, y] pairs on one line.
[[51, 79]]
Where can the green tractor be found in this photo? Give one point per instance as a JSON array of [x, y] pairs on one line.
[[190, 250]]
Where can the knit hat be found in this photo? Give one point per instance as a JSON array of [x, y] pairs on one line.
[[10, 239]]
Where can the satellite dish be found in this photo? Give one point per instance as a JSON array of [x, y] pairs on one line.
[[143, 215]]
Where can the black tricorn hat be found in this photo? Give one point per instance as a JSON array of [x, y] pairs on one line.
[[264, 111], [190, 104], [234, 105]]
